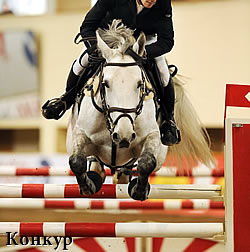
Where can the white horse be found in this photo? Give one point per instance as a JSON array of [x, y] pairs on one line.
[[116, 124]]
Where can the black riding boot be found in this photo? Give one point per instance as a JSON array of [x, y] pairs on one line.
[[170, 134], [55, 108]]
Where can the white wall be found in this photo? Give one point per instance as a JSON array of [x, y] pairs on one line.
[[212, 48]]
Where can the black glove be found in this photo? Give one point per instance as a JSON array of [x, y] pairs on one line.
[[148, 63], [95, 56]]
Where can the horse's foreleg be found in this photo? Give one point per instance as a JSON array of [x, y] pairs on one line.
[[139, 188], [89, 182]]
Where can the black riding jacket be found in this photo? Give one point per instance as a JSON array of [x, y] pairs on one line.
[[152, 21]]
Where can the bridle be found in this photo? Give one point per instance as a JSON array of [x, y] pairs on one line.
[[106, 110], [125, 112]]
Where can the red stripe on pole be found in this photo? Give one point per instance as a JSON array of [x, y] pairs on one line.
[[187, 204], [42, 171], [216, 204], [33, 190], [108, 172], [184, 172], [31, 229], [90, 229], [72, 190], [67, 204], [97, 204], [107, 191], [218, 172], [141, 205], [71, 173]]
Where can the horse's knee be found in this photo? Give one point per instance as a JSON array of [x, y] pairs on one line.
[[78, 164], [146, 164]]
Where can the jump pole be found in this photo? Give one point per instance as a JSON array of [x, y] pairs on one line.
[[114, 204], [237, 163], [119, 191], [199, 171], [176, 230]]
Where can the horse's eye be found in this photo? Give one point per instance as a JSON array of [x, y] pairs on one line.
[[105, 83]]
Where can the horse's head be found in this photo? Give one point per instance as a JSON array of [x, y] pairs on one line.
[[122, 81]]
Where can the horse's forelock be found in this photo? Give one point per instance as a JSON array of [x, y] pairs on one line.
[[118, 36]]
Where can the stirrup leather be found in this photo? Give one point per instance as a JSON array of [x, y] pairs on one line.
[[177, 131]]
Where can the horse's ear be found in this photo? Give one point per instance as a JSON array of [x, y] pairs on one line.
[[139, 45], [106, 51]]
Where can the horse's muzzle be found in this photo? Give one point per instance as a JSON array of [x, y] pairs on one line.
[[122, 143]]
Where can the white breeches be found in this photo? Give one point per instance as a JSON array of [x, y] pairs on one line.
[[80, 62], [161, 63]]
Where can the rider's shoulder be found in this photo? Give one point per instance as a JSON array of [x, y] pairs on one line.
[[163, 7]]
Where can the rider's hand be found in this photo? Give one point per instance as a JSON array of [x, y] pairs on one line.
[[94, 55], [147, 63]]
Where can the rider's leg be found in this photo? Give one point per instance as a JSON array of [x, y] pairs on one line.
[[169, 132], [55, 108]]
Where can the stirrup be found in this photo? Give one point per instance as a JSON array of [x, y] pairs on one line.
[[169, 129]]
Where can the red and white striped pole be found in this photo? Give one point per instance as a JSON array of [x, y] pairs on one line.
[[114, 204], [119, 191], [181, 230], [199, 171]]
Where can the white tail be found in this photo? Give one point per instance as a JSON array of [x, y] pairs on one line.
[[195, 143]]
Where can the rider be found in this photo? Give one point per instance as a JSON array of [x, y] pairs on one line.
[[154, 18]]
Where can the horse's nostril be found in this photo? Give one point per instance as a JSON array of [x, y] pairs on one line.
[[133, 136], [115, 136]]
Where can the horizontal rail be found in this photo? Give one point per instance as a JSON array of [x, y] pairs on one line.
[[202, 171], [180, 230], [86, 204], [119, 191]]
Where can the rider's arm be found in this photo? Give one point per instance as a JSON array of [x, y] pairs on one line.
[[93, 20], [165, 36]]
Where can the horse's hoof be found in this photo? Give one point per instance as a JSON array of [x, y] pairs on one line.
[[137, 194]]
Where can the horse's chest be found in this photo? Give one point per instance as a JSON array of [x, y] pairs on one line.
[[122, 156]]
